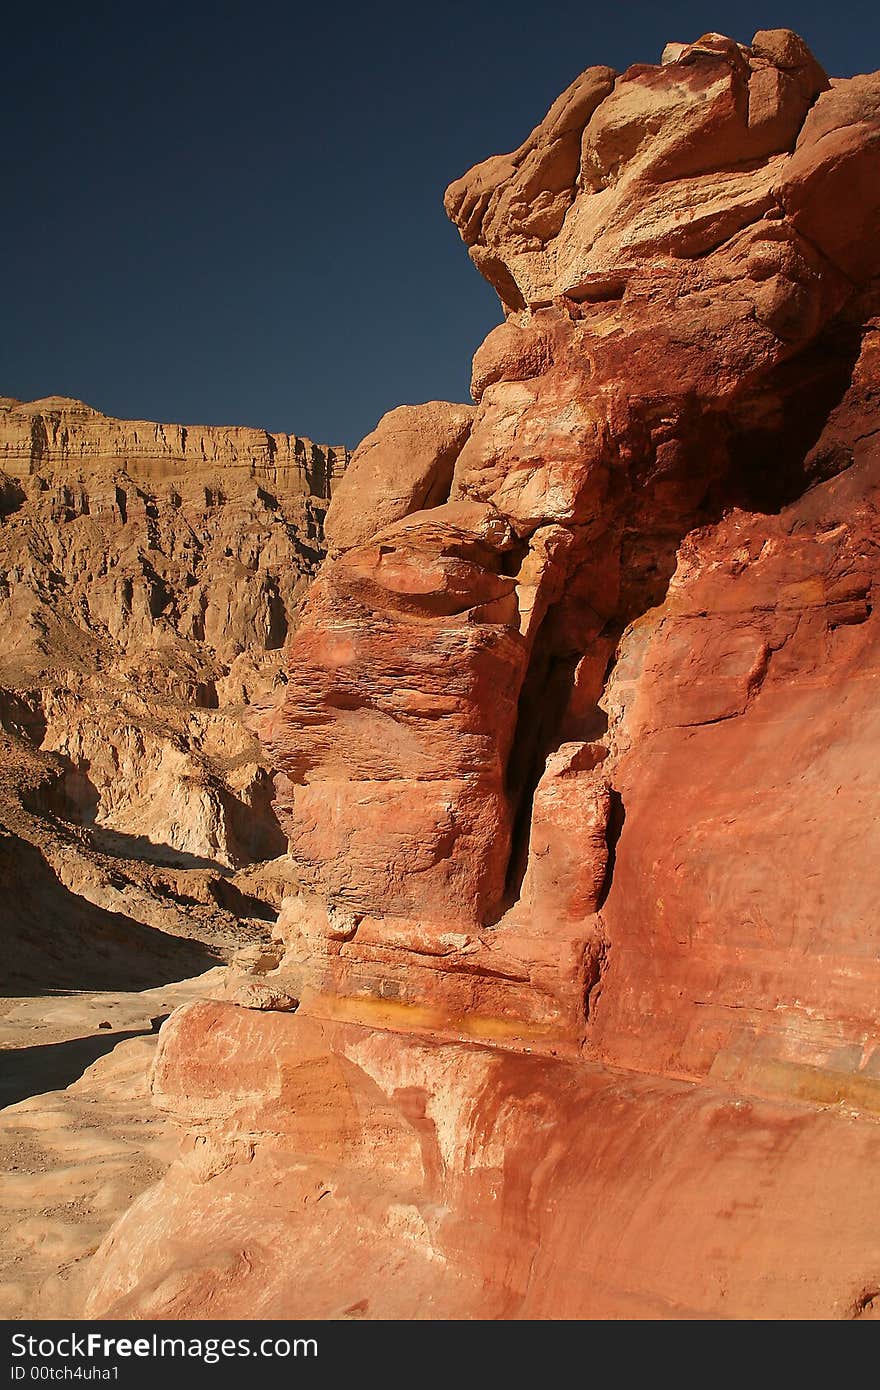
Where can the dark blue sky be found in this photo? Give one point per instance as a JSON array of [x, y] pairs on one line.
[[232, 213]]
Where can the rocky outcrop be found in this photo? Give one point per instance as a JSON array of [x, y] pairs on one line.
[[575, 762], [672, 161], [405, 465], [440, 665]]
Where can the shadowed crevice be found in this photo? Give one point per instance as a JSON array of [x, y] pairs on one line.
[[613, 832]]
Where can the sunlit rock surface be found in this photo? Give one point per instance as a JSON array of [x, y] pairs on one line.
[[577, 765]]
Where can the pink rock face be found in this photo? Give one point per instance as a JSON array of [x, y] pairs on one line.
[[577, 761], [741, 713], [829, 188], [568, 842]]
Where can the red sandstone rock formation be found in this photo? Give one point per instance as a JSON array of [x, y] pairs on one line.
[[576, 768]]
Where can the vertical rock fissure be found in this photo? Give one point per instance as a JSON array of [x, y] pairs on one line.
[[542, 704], [613, 832]]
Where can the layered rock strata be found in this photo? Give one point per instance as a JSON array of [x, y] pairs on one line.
[[150, 574], [575, 765]]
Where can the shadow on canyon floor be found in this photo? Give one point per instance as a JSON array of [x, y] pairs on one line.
[[54, 939], [123, 846], [31, 1071]]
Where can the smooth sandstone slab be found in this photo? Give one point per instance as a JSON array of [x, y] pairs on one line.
[[417, 1181]]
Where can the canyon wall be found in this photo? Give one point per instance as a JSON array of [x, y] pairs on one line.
[[574, 1006], [149, 575]]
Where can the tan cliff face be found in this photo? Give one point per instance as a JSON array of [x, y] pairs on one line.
[[150, 574], [58, 430], [577, 765]]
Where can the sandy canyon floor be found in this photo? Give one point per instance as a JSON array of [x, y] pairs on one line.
[[79, 1138]]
